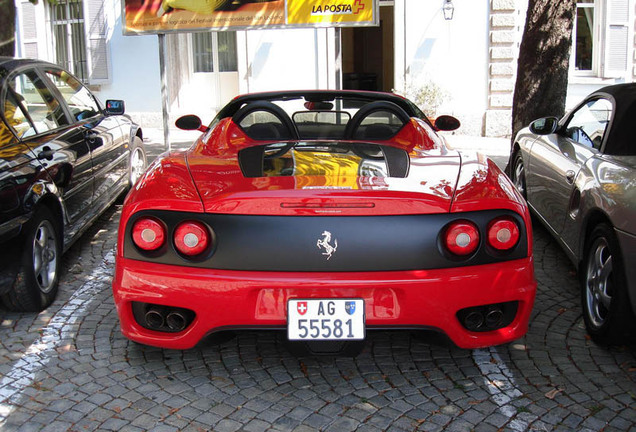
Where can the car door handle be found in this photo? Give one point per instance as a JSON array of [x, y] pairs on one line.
[[46, 153], [93, 139], [569, 176], [91, 136]]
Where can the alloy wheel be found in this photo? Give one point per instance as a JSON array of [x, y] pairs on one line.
[[45, 256], [598, 283], [519, 176]]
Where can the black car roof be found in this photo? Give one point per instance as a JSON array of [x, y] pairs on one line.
[[625, 92], [620, 140]]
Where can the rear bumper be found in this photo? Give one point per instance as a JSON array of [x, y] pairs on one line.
[[224, 299]]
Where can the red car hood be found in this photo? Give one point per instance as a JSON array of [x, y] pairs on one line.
[[428, 188]]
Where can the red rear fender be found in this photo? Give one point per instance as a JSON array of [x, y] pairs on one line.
[[166, 185], [483, 186]]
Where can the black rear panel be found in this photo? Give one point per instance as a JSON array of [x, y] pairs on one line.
[[303, 243]]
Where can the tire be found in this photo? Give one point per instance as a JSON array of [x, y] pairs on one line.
[[606, 306], [138, 161], [36, 283], [519, 174]]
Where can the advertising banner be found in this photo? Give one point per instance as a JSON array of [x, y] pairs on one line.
[[330, 13], [167, 16]]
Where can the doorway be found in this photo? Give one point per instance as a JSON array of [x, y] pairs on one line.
[[367, 55]]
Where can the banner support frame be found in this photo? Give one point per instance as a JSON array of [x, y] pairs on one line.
[[163, 70]]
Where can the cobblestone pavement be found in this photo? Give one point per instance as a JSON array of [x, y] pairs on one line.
[[69, 368]]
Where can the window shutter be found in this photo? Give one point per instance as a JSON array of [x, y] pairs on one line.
[[616, 39], [29, 30], [97, 47]]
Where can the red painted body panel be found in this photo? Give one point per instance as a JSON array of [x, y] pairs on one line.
[[224, 189], [435, 183], [167, 185], [409, 299], [208, 179]]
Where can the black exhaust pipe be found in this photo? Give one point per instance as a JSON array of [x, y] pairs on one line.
[[474, 320], [488, 317], [176, 321], [162, 318], [154, 318], [494, 318]]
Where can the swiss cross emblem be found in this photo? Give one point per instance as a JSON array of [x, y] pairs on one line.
[[301, 307], [359, 6]]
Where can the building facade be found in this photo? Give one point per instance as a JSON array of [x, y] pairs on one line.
[[452, 56]]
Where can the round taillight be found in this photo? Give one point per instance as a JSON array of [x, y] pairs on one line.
[[191, 238], [148, 234], [461, 238], [503, 234]]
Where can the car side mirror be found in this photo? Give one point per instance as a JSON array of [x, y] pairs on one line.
[[115, 107], [190, 122], [544, 126], [446, 123]]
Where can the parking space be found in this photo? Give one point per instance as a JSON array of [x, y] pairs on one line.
[[69, 368]]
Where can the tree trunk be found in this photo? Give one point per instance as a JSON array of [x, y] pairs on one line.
[[544, 57], [7, 28]]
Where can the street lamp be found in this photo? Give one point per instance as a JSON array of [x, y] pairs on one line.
[[448, 9]]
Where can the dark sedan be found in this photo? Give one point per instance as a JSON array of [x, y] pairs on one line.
[[578, 175], [64, 159]]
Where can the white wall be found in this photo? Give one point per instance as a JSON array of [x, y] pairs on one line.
[[285, 60], [452, 54], [135, 70]]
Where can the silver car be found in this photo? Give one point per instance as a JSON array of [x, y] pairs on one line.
[[578, 176]]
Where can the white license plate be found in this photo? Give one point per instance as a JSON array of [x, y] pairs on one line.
[[325, 319]]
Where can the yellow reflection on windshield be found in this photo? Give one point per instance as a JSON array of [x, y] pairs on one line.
[[335, 170]]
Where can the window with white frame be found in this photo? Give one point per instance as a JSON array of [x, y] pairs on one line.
[[214, 51], [600, 38], [583, 36], [69, 40]]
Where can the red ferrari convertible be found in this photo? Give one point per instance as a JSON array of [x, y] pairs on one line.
[[325, 214]]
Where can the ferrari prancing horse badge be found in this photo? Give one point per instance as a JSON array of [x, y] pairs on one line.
[[324, 243]]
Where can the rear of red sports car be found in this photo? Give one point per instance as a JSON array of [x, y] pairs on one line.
[[347, 215]]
